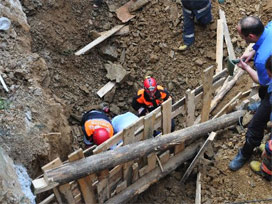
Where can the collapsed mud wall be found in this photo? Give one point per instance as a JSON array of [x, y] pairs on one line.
[[31, 111]]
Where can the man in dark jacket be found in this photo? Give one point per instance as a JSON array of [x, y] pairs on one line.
[[199, 9]]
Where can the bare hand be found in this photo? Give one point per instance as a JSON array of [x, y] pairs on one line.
[[246, 57], [243, 65]]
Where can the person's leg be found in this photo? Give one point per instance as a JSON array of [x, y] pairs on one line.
[[188, 27], [254, 134], [206, 17]]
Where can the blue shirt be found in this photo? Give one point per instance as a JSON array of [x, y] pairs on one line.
[[263, 48]]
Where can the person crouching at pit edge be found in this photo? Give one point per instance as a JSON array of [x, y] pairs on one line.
[[252, 30], [97, 127], [264, 168], [150, 97]]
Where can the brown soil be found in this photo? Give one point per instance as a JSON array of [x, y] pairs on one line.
[[59, 28]]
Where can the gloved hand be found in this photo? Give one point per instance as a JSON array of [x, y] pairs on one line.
[[221, 1]]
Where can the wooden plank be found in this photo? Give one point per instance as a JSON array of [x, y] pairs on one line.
[[149, 121], [121, 186], [207, 93], [164, 157], [40, 185], [151, 164], [238, 96], [123, 13], [85, 183], [198, 189], [219, 46], [197, 157], [166, 110], [216, 85], [128, 136], [99, 40], [159, 162], [63, 193], [190, 107], [179, 148], [227, 35], [135, 172], [105, 89], [48, 200]]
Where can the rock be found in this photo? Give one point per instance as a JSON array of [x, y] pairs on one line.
[[115, 72], [115, 109], [153, 58], [10, 188], [84, 89], [109, 97], [170, 86], [110, 51], [199, 62], [211, 55]]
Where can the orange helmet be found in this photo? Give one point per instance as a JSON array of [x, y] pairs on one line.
[[150, 86], [100, 135]]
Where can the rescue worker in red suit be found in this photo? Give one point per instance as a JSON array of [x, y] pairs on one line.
[[97, 127], [150, 97]]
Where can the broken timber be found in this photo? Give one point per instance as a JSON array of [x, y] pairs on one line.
[[100, 39], [81, 168], [197, 157]]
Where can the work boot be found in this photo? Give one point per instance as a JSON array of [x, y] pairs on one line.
[[262, 147], [256, 167], [238, 161], [183, 47]]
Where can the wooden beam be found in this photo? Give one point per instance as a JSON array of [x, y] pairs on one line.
[[143, 183], [85, 183], [227, 35], [105, 89], [48, 200], [207, 93], [109, 159], [166, 109], [149, 121], [238, 96], [219, 46], [197, 157], [63, 193], [99, 40], [198, 189], [227, 86], [190, 107]]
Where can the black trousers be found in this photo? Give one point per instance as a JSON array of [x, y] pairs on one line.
[[255, 131]]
